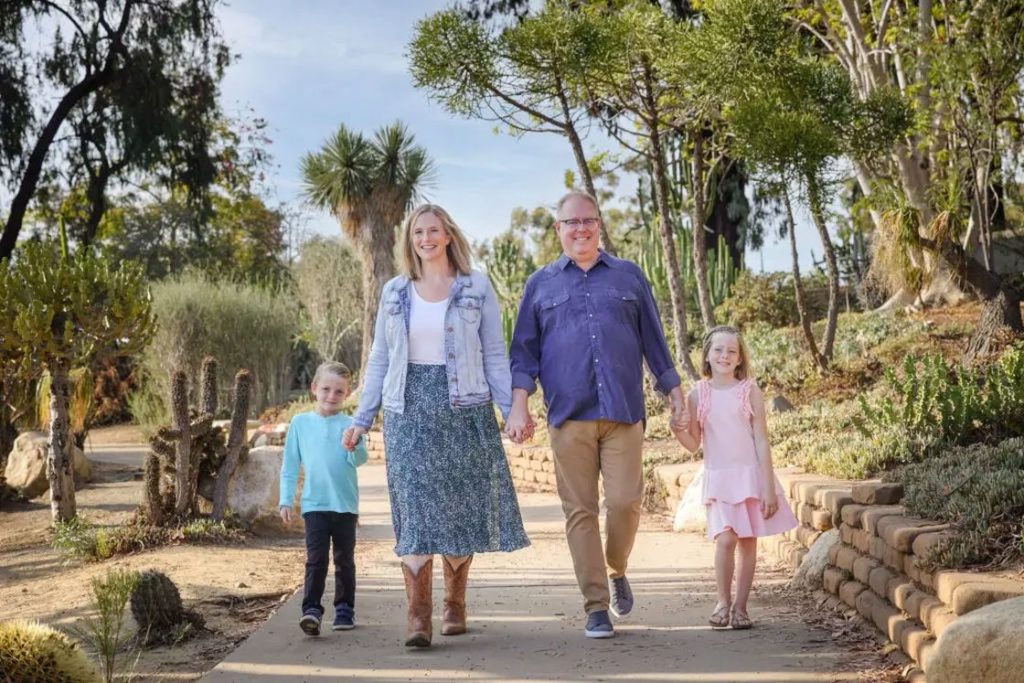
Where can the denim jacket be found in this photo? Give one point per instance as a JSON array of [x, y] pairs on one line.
[[476, 359]]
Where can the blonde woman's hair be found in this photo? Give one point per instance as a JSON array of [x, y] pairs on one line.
[[743, 370], [459, 255], [331, 368]]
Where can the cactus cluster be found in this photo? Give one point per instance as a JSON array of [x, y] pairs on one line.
[[190, 455], [30, 651], [157, 608]]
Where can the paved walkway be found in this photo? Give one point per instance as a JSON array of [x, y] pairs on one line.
[[526, 619]]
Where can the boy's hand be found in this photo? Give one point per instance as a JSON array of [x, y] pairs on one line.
[[286, 514], [350, 439]]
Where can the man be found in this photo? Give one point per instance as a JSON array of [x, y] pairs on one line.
[[586, 323]]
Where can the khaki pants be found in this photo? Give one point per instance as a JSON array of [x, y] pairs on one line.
[[585, 449]]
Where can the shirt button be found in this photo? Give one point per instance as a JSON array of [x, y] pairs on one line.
[[451, 329], [451, 356], [591, 315], [588, 293], [595, 360], [593, 336]]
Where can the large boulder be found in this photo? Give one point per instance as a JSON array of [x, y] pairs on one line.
[[984, 645], [26, 465], [255, 487], [812, 568]]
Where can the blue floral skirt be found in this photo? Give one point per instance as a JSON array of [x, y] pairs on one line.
[[448, 478]]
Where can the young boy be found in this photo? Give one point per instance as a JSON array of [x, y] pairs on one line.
[[330, 496]]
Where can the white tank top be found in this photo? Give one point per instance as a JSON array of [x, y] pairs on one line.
[[426, 330]]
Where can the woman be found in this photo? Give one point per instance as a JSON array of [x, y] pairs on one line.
[[438, 361]]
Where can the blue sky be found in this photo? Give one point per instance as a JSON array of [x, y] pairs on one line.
[[308, 65]]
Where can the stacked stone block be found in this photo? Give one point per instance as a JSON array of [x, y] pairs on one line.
[[531, 466], [876, 568]]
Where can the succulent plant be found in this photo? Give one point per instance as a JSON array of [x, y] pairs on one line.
[[30, 651], [156, 603]]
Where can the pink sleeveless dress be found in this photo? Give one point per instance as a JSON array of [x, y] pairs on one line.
[[732, 475]]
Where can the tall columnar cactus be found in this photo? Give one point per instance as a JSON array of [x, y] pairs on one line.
[[192, 457]]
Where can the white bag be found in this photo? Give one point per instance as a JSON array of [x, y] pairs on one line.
[[691, 514]]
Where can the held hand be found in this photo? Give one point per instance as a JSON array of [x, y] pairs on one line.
[[350, 439], [286, 515], [680, 413], [519, 425], [769, 502]]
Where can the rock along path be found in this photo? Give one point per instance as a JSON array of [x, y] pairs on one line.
[[526, 618]]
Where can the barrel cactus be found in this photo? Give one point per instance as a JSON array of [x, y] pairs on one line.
[[30, 651], [156, 603]]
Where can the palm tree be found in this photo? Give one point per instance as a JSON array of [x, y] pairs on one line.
[[368, 185]]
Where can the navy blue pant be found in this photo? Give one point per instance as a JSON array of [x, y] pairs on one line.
[[323, 529]]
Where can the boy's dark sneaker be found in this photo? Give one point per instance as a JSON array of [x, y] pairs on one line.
[[344, 618], [310, 623], [599, 625], [622, 597]]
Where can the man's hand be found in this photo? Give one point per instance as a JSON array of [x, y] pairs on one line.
[[286, 515], [350, 439], [680, 414]]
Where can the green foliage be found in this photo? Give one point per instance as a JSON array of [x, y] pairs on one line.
[[328, 282], [204, 530], [159, 611], [30, 651], [242, 325], [955, 405], [80, 404], [71, 310], [980, 490], [79, 540], [508, 265], [104, 631], [760, 298], [75, 539]]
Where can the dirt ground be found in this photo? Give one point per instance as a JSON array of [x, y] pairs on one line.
[[238, 588], [234, 587]]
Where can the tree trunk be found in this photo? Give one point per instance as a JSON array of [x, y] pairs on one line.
[[818, 213], [1000, 317], [236, 441], [59, 468], [378, 265], [675, 281], [581, 163], [700, 240], [34, 166], [798, 288], [183, 492], [731, 182]]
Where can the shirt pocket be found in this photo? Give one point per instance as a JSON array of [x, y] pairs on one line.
[[621, 305], [468, 308], [553, 310], [394, 322]]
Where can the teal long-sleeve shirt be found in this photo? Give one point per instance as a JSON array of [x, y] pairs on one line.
[[331, 483]]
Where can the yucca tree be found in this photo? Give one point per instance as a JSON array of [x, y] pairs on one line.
[[368, 184]]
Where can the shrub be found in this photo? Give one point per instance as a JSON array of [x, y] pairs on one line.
[[980, 490], [241, 325], [75, 539], [760, 298], [30, 651], [204, 530], [104, 631]]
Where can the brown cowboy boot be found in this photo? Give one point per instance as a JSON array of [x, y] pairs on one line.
[[417, 590], [454, 622]]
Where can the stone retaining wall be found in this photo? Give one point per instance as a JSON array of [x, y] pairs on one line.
[[875, 569], [532, 467]]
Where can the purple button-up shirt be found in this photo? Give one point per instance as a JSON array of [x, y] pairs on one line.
[[585, 335]]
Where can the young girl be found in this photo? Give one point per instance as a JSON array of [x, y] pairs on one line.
[[742, 496]]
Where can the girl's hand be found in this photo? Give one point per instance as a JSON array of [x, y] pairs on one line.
[[351, 437], [769, 502], [286, 515]]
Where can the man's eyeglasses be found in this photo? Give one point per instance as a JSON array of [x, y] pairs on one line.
[[577, 222]]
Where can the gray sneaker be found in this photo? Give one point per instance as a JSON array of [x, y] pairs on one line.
[[599, 625], [622, 597]]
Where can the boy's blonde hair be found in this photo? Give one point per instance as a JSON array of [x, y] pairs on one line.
[[332, 368], [459, 255], [743, 370]]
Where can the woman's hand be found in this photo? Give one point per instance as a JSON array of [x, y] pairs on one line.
[[350, 439], [769, 502], [519, 426]]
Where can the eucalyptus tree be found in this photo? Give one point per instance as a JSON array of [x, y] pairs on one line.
[[958, 63], [520, 77], [135, 85], [368, 184], [791, 116]]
